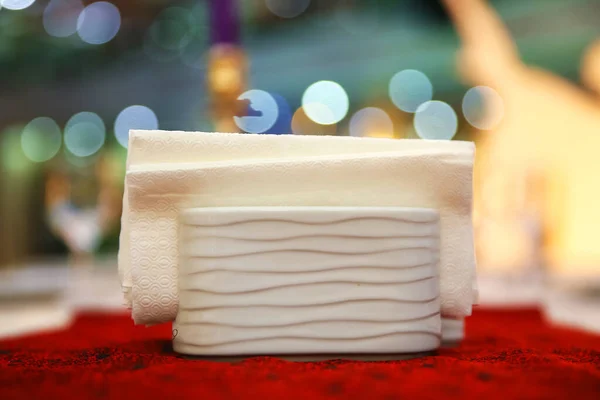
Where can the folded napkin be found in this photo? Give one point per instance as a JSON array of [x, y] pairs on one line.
[[170, 171]]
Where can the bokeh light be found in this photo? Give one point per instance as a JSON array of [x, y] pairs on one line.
[[134, 117], [262, 112], [16, 4], [86, 117], [99, 23], [409, 89], [325, 102], [319, 113], [172, 29], [435, 120], [287, 8], [303, 125], [41, 139], [373, 122], [60, 17], [483, 107], [85, 134]]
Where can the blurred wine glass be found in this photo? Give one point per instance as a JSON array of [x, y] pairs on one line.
[[83, 204]]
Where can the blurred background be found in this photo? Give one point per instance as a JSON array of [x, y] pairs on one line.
[[520, 78]]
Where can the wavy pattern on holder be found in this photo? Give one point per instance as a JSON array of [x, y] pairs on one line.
[[225, 300], [240, 296], [316, 338], [206, 247], [329, 236], [358, 229], [314, 223], [242, 282], [334, 253], [309, 305], [324, 269], [387, 311], [304, 284], [307, 322], [401, 259]]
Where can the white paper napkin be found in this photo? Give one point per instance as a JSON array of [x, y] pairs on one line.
[[168, 171]]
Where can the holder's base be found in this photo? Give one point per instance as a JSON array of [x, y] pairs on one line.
[[317, 357]]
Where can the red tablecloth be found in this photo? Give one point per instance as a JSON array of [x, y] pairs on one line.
[[507, 354]]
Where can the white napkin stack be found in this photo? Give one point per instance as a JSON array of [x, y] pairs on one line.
[[169, 171]]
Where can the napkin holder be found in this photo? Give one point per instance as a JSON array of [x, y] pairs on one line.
[[333, 281]]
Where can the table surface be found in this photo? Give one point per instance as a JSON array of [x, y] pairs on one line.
[[507, 354]]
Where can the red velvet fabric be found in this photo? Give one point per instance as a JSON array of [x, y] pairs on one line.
[[507, 354]]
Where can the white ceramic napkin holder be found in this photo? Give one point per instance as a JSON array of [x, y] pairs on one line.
[[308, 280]]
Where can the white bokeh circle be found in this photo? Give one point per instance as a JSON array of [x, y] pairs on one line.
[[435, 120], [263, 103], [325, 102]]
